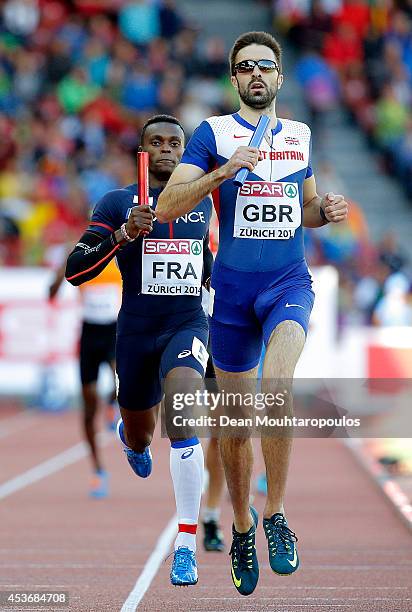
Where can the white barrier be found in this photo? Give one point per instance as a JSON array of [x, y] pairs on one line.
[[37, 336], [34, 333]]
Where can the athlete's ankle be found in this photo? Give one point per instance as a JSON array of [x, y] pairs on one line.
[[242, 524], [269, 511]]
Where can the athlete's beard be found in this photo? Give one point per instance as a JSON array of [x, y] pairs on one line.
[[259, 99]]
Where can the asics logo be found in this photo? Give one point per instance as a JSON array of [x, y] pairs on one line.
[[294, 560], [235, 580], [236, 136], [297, 305], [188, 453], [184, 354]]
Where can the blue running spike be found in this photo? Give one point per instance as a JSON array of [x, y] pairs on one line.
[[141, 463], [184, 567]]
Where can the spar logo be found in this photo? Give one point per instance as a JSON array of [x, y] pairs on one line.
[[262, 189], [168, 247], [196, 248], [290, 190]]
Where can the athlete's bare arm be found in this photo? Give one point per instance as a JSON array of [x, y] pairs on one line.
[[334, 207], [57, 281], [189, 184]]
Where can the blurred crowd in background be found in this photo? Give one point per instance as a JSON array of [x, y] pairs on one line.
[[77, 82], [78, 78], [359, 51], [356, 56]]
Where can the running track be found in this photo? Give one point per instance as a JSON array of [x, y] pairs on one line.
[[355, 552]]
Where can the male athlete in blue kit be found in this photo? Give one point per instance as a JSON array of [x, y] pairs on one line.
[[261, 287], [162, 331]]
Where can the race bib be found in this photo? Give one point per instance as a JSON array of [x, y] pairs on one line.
[[267, 211], [172, 267], [101, 303]]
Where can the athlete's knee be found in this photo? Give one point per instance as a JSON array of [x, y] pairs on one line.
[[283, 351], [287, 331], [183, 374]]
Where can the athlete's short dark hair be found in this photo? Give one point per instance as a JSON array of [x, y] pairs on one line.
[[159, 119], [255, 38]]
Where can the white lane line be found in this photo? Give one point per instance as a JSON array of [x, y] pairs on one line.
[[151, 566], [48, 467]]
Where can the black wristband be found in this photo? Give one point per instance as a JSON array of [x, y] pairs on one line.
[[323, 215]]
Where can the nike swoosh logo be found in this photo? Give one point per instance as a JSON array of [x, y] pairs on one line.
[[236, 136], [235, 580], [297, 305], [294, 560]]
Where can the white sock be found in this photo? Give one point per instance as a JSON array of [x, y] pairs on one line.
[[210, 514], [186, 468]]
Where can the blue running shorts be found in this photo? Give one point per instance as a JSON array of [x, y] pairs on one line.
[[245, 308]]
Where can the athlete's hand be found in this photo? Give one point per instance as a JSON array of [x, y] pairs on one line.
[[243, 157], [140, 221], [335, 207]]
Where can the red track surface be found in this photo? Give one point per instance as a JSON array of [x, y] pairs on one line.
[[356, 554]]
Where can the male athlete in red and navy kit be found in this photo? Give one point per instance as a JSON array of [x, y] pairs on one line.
[[261, 287], [162, 331]]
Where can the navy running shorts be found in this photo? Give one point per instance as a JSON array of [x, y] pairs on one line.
[[245, 308], [148, 348]]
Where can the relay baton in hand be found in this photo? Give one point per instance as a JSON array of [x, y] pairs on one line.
[[255, 141], [143, 180]]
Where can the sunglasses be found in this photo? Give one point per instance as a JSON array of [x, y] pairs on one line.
[[248, 66]]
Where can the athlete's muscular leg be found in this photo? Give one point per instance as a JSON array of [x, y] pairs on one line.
[[186, 457], [180, 380], [216, 475], [282, 353], [139, 426], [90, 404], [237, 456], [214, 492]]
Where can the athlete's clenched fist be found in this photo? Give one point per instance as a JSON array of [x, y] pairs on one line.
[[335, 207], [140, 221], [243, 157]]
